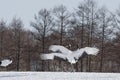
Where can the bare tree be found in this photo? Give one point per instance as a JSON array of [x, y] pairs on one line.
[[81, 23], [17, 28], [2, 31], [61, 16], [105, 30], [61, 20], [43, 25]]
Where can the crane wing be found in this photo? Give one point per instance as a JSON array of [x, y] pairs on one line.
[[83, 52], [91, 50], [5, 62], [59, 48], [52, 56]]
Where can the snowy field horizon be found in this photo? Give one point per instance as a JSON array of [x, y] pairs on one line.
[[58, 76], [69, 56]]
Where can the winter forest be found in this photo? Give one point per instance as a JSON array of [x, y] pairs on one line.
[[87, 26]]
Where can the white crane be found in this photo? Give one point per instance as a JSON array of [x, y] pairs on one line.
[[5, 62], [62, 53]]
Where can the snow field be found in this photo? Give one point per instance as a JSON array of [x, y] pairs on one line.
[[58, 76]]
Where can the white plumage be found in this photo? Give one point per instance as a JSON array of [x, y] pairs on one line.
[[5, 62], [68, 55]]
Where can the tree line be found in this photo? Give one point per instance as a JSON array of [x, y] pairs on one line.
[[87, 25]]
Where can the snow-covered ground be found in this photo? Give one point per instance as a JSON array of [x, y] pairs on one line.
[[58, 76]]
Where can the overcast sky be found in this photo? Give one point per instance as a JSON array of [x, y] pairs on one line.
[[25, 9]]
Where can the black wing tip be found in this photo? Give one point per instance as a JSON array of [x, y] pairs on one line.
[[84, 54], [0, 62], [60, 59]]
